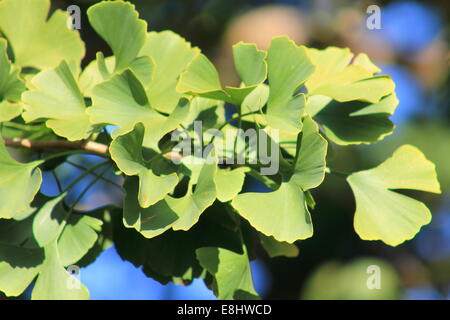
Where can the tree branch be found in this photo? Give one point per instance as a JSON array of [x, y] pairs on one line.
[[91, 146], [40, 145]]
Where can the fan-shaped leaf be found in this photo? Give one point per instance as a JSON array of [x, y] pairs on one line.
[[15, 176], [353, 122], [383, 214], [170, 54], [229, 182], [122, 101], [341, 80], [126, 151], [125, 38], [289, 67], [55, 96], [284, 213], [36, 41], [176, 213], [54, 282], [201, 77], [276, 248], [231, 272]]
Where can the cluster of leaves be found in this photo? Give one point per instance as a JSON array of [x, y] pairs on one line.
[[189, 219]]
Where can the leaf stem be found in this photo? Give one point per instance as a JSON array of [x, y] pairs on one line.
[[76, 165], [78, 199], [239, 117], [85, 174], [337, 173]]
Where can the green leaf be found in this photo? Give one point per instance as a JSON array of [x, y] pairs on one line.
[[127, 153], [210, 112], [172, 254], [276, 248], [343, 81], [35, 40], [102, 69], [364, 61], [256, 99], [78, 237], [231, 272], [283, 213], [229, 182], [56, 96], [383, 214], [25, 177], [9, 110], [11, 86], [201, 77], [23, 259], [119, 25], [250, 63], [47, 221], [176, 213], [170, 54], [353, 122], [309, 168], [122, 101], [289, 67], [54, 282], [18, 267]]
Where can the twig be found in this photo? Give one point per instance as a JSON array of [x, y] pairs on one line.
[[39, 145]]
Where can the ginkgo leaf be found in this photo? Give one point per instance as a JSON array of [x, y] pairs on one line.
[[176, 213], [210, 112], [125, 38], [11, 86], [201, 77], [250, 63], [9, 110], [289, 67], [309, 168], [383, 214], [55, 96], [353, 122], [231, 272], [172, 254], [123, 102], [256, 100], [93, 74], [283, 213], [18, 268], [78, 237], [15, 176], [47, 220], [127, 153], [170, 54], [40, 244], [36, 40], [229, 182], [343, 81], [54, 282], [276, 248], [364, 61], [75, 239]]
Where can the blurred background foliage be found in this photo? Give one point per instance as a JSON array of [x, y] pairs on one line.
[[412, 46]]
